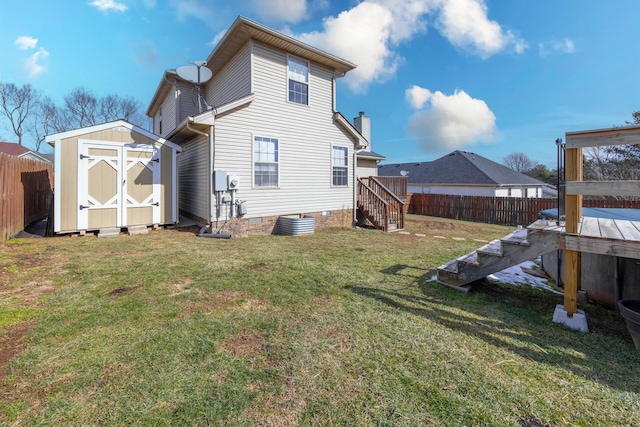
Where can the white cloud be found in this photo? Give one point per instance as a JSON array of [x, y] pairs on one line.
[[25, 42], [451, 121], [33, 66], [368, 34], [109, 5], [417, 96], [281, 10], [466, 25], [217, 38], [563, 46], [361, 35]]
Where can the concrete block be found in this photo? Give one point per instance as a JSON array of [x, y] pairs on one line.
[[578, 321], [137, 229], [109, 232]]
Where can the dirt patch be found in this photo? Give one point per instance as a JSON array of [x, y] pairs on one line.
[[123, 291], [245, 344], [206, 302], [532, 422], [258, 266], [10, 345]]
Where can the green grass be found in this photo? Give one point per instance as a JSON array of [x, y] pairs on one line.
[[339, 328]]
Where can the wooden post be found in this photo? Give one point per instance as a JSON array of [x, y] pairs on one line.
[[573, 206]]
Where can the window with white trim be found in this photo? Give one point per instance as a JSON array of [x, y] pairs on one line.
[[298, 80], [160, 121], [265, 162], [340, 165]]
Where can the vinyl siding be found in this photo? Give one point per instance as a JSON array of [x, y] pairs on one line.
[[193, 177], [367, 168], [187, 101], [233, 82], [306, 134], [168, 115]]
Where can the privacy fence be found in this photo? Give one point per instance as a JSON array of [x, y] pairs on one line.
[[496, 210], [25, 193]]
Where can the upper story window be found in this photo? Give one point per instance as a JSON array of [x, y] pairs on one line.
[[298, 78], [340, 165], [160, 120], [265, 158]]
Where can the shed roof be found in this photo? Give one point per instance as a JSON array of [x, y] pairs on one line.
[[458, 167], [51, 139]]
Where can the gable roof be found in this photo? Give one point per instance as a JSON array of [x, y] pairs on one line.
[[52, 139], [241, 31], [13, 148], [458, 167]]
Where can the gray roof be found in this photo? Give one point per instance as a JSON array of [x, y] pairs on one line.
[[458, 167], [370, 155]]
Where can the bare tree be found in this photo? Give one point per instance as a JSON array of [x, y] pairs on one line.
[[80, 109], [46, 119], [114, 107], [18, 103], [519, 162]]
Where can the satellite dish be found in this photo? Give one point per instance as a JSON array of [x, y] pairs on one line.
[[404, 173], [194, 73]]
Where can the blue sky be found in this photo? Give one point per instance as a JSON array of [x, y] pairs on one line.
[[492, 77]]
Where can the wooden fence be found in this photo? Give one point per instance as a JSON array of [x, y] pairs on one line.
[[496, 210], [25, 193]]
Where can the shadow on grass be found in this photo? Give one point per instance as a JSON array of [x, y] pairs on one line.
[[518, 320]]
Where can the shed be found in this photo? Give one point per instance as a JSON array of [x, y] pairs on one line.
[[113, 175]]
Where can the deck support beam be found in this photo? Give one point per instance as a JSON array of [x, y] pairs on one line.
[[573, 206]]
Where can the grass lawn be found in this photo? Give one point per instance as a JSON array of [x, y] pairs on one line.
[[339, 328]]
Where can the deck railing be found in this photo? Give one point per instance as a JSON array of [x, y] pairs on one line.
[[576, 188]]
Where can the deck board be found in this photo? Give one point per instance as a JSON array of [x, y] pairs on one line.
[[597, 235], [609, 229]]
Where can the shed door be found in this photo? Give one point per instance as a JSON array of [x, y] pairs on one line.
[[118, 186], [141, 185], [99, 186]]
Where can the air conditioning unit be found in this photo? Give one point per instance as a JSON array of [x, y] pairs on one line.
[[233, 182]]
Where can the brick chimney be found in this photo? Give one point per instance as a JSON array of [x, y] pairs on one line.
[[362, 124]]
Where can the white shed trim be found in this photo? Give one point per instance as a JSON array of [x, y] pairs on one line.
[[52, 139]]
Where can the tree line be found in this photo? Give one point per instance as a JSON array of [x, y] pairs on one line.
[[32, 114], [620, 162]]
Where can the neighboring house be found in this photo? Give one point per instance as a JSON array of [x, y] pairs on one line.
[[466, 174], [270, 144], [18, 150], [367, 160]]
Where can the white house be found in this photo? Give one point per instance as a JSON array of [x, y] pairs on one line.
[[264, 140]]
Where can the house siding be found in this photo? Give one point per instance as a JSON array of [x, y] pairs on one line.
[[193, 178], [367, 168], [187, 104], [233, 81], [306, 134], [168, 115]]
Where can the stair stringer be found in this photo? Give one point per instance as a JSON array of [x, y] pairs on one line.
[[517, 247]]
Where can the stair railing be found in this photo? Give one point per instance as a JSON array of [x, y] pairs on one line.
[[374, 207], [396, 205]]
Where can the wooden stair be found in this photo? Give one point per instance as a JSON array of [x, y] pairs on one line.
[[517, 247], [378, 206]]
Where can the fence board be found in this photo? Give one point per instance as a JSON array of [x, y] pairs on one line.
[[497, 210], [25, 192]]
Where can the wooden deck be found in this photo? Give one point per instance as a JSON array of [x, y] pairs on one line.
[[604, 236]]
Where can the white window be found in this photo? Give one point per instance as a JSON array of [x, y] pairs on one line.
[[298, 78], [265, 158], [340, 164], [160, 121]]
